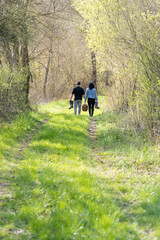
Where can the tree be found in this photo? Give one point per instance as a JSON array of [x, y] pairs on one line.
[[125, 36], [14, 38], [59, 54]]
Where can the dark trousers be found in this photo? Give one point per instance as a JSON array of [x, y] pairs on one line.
[[91, 103]]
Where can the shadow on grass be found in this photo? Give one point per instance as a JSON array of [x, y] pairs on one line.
[[145, 215], [53, 204]]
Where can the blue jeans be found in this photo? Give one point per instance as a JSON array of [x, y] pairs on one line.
[[77, 103]]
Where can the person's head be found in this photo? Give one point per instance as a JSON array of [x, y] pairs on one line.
[[91, 85], [78, 83]]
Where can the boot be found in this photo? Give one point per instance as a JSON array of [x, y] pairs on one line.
[[96, 105], [70, 104]]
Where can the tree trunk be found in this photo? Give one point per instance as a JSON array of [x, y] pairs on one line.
[[8, 53], [46, 75], [15, 60], [94, 68], [25, 64]]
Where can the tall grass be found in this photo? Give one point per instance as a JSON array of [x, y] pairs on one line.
[[131, 165]]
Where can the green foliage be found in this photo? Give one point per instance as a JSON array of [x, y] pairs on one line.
[[125, 35], [12, 18], [14, 30], [14, 38], [12, 91]]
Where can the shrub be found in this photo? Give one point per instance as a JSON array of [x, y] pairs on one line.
[[12, 91]]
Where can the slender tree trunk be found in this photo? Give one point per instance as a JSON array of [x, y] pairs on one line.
[[25, 54], [16, 54], [94, 68], [46, 74], [8, 53], [25, 64]]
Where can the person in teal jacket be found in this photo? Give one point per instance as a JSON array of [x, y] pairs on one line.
[[91, 95]]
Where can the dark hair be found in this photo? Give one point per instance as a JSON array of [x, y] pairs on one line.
[[91, 85], [78, 83]]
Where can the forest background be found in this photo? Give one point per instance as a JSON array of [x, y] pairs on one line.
[[46, 46]]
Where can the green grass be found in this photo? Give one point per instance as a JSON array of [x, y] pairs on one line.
[[58, 189], [131, 165]]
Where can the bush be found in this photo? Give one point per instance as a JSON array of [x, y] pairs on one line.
[[12, 91]]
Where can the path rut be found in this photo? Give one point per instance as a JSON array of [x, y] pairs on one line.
[[5, 192], [93, 137]]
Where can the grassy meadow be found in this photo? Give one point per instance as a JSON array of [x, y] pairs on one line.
[[57, 184]]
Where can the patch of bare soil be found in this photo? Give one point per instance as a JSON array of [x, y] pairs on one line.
[[92, 129], [93, 137]]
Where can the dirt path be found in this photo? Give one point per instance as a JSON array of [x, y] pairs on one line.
[[27, 141], [92, 130], [93, 138]]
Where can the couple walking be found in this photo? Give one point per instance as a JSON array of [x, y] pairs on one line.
[[90, 94]]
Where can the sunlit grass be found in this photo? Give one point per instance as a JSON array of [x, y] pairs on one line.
[[132, 164], [60, 190]]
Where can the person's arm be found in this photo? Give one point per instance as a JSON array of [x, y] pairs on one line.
[[71, 97], [83, 94], [86, 95], [73, 92]]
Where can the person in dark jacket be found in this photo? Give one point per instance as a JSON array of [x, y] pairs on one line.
[[91, 95], [78, 93]]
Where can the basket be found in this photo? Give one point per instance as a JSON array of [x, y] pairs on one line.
[[84, 107]]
